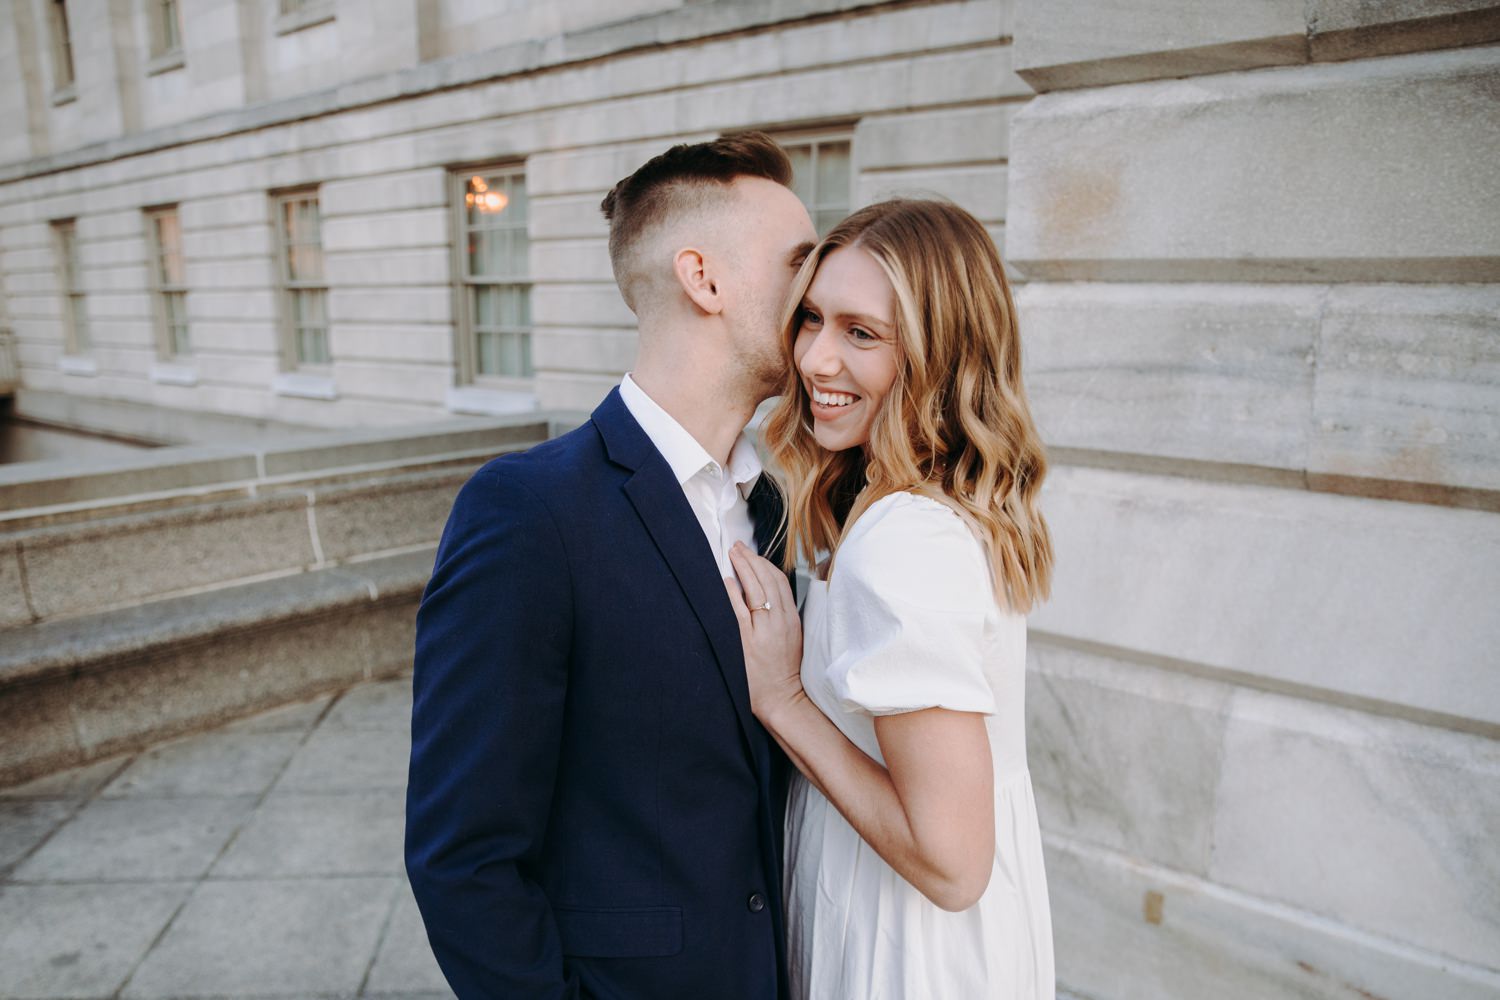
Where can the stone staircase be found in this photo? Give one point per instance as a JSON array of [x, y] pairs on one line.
[[172, 590]]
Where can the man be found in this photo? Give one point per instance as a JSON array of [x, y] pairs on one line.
[[592, 810]]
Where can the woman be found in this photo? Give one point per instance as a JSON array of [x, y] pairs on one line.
[[914, 860]]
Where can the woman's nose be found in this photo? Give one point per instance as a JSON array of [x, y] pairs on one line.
[[820, 358]]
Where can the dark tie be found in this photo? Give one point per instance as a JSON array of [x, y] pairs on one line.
[[765, 514]]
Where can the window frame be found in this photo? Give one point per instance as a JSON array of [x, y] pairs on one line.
[[287, 286], [466, 343], [64, 71], [814, 138], [168, 347], [164, 50], [76, 341]]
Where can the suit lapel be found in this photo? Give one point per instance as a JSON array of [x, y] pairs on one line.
[[664, 509]]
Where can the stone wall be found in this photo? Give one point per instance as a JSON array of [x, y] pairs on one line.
[[1263, 339], [925, 88]]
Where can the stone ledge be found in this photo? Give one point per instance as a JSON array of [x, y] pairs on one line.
[[698, 22], [75, 690]]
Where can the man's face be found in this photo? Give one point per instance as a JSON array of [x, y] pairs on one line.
[[773, 235]]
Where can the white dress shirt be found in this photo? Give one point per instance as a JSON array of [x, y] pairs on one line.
[[718, 496]]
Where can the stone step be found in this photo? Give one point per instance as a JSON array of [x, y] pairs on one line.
[[82, 688]]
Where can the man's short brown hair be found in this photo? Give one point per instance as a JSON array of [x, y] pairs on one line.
[[677, 179]]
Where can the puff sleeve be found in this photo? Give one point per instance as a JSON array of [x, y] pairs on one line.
[[910, 602]]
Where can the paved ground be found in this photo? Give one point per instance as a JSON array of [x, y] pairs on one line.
[[260, 859]]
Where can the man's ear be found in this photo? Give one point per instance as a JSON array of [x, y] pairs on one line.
[[693, 274]]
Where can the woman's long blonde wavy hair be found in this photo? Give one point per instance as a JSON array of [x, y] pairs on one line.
[[955, 425]]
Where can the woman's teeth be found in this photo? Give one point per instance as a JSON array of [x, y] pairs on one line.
[[833, 398]]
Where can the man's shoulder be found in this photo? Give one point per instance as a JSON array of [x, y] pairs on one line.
[[551, 471]]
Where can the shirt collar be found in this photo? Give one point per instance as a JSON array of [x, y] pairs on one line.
[[683, 453]]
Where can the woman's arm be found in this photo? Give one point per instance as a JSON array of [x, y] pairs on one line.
[[929, 813]]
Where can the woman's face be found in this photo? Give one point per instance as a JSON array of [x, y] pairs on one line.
[[845, 349]]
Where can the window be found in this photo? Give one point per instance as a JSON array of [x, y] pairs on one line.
[[304, 293], [167, 281], [166, 28], [493, 269], [75, 323], [62, 46], [822, 176]]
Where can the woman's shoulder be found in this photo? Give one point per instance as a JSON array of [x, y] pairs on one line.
[[918, 548]]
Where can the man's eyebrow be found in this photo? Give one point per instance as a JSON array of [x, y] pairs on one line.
[[799, 253]]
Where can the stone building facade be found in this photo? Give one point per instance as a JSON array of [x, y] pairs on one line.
[[1257, 251]]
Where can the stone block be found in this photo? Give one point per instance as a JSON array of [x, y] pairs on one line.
[[240, 305], [344, 760], [420, 304], [1377, 824], [934, 138], [242, 272], [229, 242], [565, 217], [1131, 931], [571, 260], [346, 448], [1213, 178], [381, 193], [411, 343], [1408, 386], [14, 609], [418, 227], [79, 940], [212, 765], [74, 784], [1214, 373], [138, 839], [405, 961], [1123, 755], [579, 304], [252, 209], [573, 392], [383, 268], [1298, 589], [979, 189], [1072, 43], [302, 936], [296, 835], [95, 565], [297, 717], [594, 351], [370, 518], [378, 705], [25, 823], [596, 169], [1353, 29], [38, 484]]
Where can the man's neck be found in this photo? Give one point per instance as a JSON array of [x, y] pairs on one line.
[[711, 412]]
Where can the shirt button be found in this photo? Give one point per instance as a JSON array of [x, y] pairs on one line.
[[756, 902]]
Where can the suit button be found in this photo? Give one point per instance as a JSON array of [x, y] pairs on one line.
[[756, 902]]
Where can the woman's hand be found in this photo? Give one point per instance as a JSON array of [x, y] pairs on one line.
[[772, 638]]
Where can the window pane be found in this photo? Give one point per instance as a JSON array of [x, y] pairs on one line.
[[180, 339], [802, 179], [487, 355], [175, 306], [487, 201], [833, 174], [510, 354], [512, 305], [526, 367], [312, 345], [519, 207], [307, 306], [170, 40], [484, 306], [305, 262]]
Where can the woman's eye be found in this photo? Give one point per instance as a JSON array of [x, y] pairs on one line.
[[810, 318], [864, 336]]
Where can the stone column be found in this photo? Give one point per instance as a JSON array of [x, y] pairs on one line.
[[1262, 324]]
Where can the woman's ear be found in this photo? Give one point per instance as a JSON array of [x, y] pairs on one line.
[[693, 274]]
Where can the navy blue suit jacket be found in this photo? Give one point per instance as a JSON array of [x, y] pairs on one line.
[[592, 810]]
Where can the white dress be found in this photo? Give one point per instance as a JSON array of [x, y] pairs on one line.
[[908, 621]]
